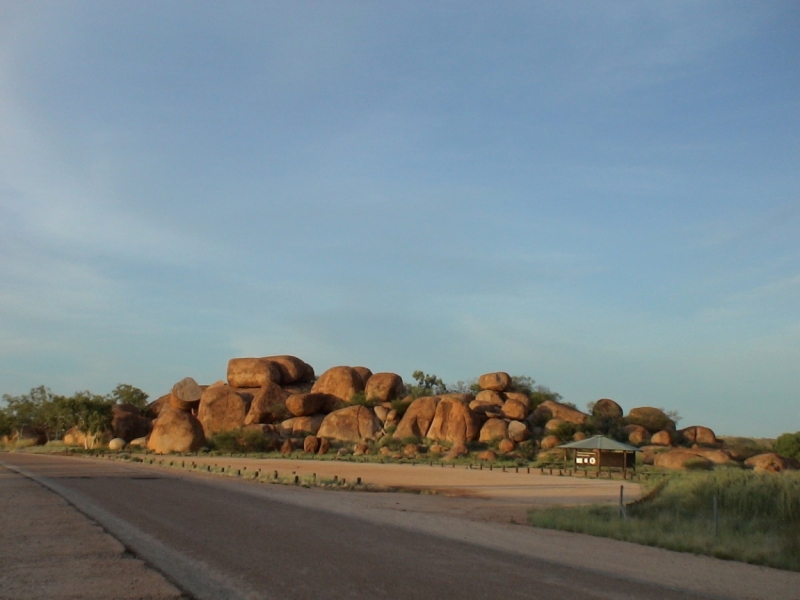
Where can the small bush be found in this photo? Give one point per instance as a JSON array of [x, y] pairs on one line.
[[361, 399], [788, 444], [400, 406], [239, 440]]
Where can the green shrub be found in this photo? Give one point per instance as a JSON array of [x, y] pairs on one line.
[[400, 406], [788, 444], [361, 399], [240, 440]]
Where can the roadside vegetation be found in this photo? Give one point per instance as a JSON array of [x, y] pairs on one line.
[[758, 517]]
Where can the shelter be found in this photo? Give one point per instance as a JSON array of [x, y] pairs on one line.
[[600, 451]]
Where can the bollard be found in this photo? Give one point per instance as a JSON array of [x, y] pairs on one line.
[[335, 479], [480, 467], [296, 479], [358, 481], [504, 468], [529, 470], [275, 475], [314, 477], [517, 470], [208, 468], [490, 467]]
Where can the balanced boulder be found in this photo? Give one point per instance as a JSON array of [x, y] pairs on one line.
[[418, 418], [487, 401], [652, 419], [699, 435], [454, 421], [518, 431], [662, 438], [637, 435], [305, 405], [252, 372], [551, 441], [221, 409], [514, 409], [176, 431], [384, 387], [185, 394], [497, 382], [605, 408], [342, 382], [292, 369], [350, 424]]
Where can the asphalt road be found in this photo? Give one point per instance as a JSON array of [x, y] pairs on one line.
[[236, 540]]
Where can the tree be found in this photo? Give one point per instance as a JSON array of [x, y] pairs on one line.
[[427, 385], [128, 394]]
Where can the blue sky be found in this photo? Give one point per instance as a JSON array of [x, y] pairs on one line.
[[603, 196]]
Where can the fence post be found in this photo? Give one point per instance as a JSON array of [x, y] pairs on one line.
[[622, 502], [716, 516]]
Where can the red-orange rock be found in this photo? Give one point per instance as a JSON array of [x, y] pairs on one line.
[[454, 421], [305, 405], [292, 369], [637, 435], [497, 382], [662, 438], [652, 419], [267, 406], [487, 455], [252, 372], [487, 400], [351, 424], [342, 382], [127, 422], [518, 431], [514, 409], [697, 434], [549, 442], [324, 446], [680, 458], [418, 418], [311, 444], [384, 387], [506, 445], [366, 374], [175, 431], [555, 410], [185, 394], [771, 462], [605, 408], [492, 430], [221, 409]]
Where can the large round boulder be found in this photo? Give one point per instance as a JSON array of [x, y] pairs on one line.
[[555, 410], [292, 369], [116, 444], [637, 435], [518, 431], [176, 431], [662, 438], [652, 419], [342, 382], [384, 387], [267, 406], [185, 394], [497, 382], [418, 418], [305, 405], [549, 442], [605, 408], [514, 409], [506, 445], [454, 421], [487, 401], [554, 424], [350, 424], [128, 423], [301, 426], [697, 434], [252, 372], [221, 409], [493, 429]]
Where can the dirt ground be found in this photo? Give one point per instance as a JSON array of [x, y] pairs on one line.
[[50, 550], [480, 495]]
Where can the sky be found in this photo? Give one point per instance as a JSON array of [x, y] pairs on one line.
[[601, 196]]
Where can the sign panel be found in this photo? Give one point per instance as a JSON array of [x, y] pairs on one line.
[[586, 459]]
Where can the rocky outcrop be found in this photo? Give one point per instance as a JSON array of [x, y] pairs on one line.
[[506, 445], [311, 444], [549, 442], [680, 458], [128, 423], [176, 431], [342, 382], [652, 419], [605, 408], [267, 406], [637, 435], [152, 410], [454, 421], [493, 429], [418, 418], [185, 394], [770, 462], [554, 424], [497, 382], [221, 409], [252, 372], [384, 387], [555, 410], [350, 424]]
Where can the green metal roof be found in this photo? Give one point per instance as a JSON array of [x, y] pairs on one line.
[[600, 442]]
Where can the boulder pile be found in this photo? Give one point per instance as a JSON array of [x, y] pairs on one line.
[[279, 401]]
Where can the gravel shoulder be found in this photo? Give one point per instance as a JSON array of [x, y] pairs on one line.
[[50, 550]]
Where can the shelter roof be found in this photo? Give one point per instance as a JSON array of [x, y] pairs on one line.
[[600, 442]]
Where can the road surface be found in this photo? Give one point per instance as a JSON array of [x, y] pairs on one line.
[[223, 538]]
